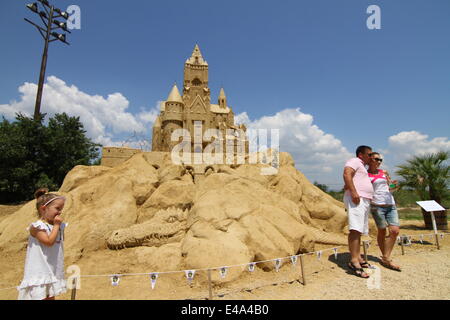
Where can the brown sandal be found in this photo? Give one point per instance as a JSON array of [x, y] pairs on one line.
[[358, 271], [387, 263]]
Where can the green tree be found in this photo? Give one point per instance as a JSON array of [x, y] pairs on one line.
[[34, 155], [321, 186], [428, 176]]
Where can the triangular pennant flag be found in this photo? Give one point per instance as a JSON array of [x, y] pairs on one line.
[[190, 275], [368, 244], [251, 266], [335, 253], [115, 279], [442, 236], [421, 238], [223, 272], [319, 254], [153, 278], [408, 240], [277, 264], [294, 260]]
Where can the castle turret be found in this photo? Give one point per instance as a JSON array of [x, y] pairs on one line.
[[222, 99], [174, 95], [173, 117], [195, 78], [173, 109]]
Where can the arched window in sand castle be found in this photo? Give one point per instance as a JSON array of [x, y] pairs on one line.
[[196, 82]]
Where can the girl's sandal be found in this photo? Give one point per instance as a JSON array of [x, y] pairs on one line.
[[388, 264], [358, 271]]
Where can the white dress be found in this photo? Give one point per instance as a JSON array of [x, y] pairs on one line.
[[44, 266]]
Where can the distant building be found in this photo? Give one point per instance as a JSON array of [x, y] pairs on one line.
[[193, 110]]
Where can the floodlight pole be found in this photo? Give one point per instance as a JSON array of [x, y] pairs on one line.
[[37, 106], [46, 33]]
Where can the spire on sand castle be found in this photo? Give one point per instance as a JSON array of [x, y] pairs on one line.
[[174, 95], [196, 57]]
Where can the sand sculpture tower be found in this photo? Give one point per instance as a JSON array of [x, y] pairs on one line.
[[192, 110]]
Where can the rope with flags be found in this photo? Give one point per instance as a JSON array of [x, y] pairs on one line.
[[223, 270]]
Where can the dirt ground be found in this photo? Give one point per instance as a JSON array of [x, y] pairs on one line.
[[425, 275]]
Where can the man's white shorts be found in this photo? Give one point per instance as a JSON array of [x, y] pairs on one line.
[[358, 215]]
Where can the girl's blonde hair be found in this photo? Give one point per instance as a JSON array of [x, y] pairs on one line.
[[43, 198]]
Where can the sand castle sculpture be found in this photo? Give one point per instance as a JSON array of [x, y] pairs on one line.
[[190, 217], [193, 110]]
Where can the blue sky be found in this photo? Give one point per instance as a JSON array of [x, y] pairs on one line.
[[311, 64]]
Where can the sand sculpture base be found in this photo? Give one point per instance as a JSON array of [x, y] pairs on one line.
[[176, 218]]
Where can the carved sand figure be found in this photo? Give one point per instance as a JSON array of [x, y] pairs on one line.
[[233, 215]]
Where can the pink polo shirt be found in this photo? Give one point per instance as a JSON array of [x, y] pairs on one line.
[[361, 179]]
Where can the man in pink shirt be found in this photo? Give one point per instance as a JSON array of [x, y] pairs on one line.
[[358, 193]]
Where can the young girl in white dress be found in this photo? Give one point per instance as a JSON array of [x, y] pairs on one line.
[[44, 264]]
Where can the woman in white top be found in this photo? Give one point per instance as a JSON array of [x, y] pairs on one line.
[[44, 264], [384, 210]]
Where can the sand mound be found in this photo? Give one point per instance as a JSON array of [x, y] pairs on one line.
[[232, 215]]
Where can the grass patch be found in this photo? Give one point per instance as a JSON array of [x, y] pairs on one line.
[[413, 214]]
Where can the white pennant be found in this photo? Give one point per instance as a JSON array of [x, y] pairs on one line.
[[421, 239], [294, 260], [277, 264], [335, 253], [319, 254], [190, 275], [251, 267], [153, 278], [368, 245], [223, 272], [115, 279]]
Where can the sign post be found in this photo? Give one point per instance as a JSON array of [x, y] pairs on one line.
[[431, 206]]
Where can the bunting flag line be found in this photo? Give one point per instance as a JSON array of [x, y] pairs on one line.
[[251, 267], [115, 279], [153, 278], [277, 264], [319, 254], [223, 272], [335, 253], [294, 260], [190, 275]]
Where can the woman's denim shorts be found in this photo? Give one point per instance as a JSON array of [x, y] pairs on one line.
[[385, 216]]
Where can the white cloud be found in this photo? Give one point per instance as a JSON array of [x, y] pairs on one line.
[[319, 155], [106, 120], [407, 144]]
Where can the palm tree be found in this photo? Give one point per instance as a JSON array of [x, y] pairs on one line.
[[429, 177]]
